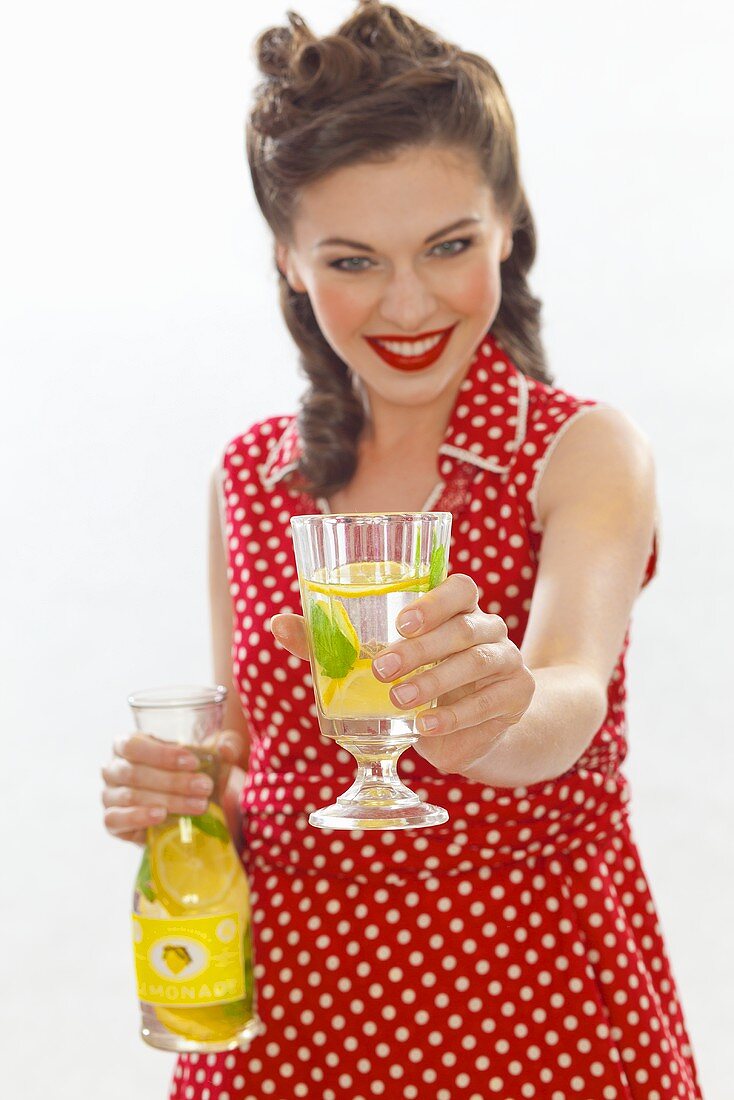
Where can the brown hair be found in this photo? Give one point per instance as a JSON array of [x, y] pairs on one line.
[[381, 84]]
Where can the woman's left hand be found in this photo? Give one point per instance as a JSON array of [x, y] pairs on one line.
[[480, 681]]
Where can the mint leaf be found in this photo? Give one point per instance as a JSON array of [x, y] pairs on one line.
[[334, 652], [438, 568], [234, 1010], [211, 825], [142, 883]]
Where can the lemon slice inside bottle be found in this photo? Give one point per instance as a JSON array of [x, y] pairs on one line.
[[210, 1024], [191, 870]]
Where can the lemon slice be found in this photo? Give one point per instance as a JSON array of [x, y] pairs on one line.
[[366, 578], [209, 1024], [360, 694], [363, 693], [369, 572], [362, 667], [189, 868]]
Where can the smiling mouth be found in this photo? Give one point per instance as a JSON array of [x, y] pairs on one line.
[[411, 354]]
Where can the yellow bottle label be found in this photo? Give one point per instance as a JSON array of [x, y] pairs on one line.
[[193, 962]]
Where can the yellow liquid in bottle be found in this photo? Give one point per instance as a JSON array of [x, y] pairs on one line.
[[191, 931]]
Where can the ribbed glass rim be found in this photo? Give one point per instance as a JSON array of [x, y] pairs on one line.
[[186, 695], [366, 516]]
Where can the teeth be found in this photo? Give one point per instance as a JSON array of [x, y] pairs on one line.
[[404, 348]]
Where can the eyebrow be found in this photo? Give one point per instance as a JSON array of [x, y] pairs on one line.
[[367, 248]]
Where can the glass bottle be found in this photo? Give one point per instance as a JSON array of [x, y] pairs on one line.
[[191, 909]]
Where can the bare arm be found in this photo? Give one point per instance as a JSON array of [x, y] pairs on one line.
[[596, 504], [222, 625]]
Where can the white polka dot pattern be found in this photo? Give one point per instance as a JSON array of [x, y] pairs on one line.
[[513, 952]]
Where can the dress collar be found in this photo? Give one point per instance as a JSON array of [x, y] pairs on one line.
[[486, 428]]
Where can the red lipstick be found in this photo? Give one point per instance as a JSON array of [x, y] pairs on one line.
[[411, 362]]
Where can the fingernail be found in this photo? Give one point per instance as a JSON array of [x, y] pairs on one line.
[[198, 805], [410, 621], [405, 693], [427, 723], [202, 783], [186, 760], [158, 813], [387, 664]]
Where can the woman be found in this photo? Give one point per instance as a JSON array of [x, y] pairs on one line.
[[515, 950]]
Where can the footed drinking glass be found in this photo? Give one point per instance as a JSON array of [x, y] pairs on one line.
[[356, 573]]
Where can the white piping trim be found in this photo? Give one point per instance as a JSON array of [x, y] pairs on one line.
[[470, 456], [520, 433], [524, 395], [533, 491], [522, 411], [271, 481], [433, 496]]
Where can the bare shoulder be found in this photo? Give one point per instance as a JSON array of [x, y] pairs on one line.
[[601, 452]]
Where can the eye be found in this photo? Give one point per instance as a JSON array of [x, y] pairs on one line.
[[348, 259], [465, 242], [445, 248]]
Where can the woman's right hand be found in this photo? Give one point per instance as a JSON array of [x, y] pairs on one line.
[[147, 779]]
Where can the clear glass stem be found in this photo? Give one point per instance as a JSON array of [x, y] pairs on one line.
[[378, 798], [377, 782]]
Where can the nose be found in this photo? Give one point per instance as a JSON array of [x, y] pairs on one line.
[[407, 304]]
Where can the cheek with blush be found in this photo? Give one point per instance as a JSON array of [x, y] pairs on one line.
[[340, 314], [479, 291]]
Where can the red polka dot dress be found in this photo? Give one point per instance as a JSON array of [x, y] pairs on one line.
[[514, 951]]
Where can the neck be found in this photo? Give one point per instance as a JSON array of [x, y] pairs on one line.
[[398, 430]]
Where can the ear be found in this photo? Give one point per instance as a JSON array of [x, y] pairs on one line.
[[506, 245], [284, 260]]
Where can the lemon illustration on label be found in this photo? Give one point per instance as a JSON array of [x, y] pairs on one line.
[[176, 958]]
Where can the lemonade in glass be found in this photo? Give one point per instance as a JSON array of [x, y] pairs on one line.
[[356, 573]]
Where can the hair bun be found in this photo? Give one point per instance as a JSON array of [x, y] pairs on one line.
[[276, 46], [273, 51], [304, 73]]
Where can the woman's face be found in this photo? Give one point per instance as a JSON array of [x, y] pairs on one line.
[[401, 272]]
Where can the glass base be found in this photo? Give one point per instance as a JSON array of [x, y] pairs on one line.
[[355, 816], [162, 1039], [378, 799]]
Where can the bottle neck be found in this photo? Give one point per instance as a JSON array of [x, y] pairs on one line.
[[209, 764]]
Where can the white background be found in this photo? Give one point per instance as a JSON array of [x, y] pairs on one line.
[[141, 331]]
